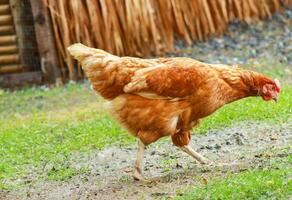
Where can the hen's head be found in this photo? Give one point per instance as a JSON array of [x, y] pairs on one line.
[[269, 89]]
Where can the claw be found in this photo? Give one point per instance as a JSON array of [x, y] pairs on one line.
[[222, 165], [138, 176]]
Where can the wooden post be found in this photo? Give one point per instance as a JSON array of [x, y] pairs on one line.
[[45, 41], [20, 79]]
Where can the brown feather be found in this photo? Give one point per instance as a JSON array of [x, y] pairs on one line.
[[153, 98]]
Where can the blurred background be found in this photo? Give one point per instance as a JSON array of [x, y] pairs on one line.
[[34, 35], [58, 142]]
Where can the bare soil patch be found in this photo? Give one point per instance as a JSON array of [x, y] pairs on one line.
[[244, 146]]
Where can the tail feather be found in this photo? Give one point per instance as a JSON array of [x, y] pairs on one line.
[[94, 62], [89, 57], [79, 51]]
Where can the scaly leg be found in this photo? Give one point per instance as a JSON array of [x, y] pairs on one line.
[[204, 160], [195, 155], [138, 164], [181, 139]]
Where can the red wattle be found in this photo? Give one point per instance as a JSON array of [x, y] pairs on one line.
[[266, 98]]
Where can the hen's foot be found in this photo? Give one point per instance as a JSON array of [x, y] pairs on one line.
[[138, 176], [201, 159], [205, 161], [223, 165]]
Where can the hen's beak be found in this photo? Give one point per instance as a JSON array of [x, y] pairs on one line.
[[275, 98]]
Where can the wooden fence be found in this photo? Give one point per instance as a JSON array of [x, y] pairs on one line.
[[146, 27]]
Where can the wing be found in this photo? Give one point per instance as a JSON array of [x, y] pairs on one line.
[[166, 81]]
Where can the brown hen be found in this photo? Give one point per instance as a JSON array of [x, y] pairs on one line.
[[153, 98]]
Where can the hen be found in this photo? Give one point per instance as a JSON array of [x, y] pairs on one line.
[[153, 98]]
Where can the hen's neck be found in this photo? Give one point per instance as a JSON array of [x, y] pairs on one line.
[[239, 83]]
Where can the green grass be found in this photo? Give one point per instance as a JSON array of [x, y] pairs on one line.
[[273, 182], [38, 127], [64, 173], [35, 99]]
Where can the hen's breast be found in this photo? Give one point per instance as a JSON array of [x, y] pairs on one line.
[[209, 98]]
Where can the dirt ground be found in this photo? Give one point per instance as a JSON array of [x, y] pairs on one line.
[[244, 146]]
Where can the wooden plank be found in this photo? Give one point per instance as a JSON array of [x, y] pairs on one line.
[[6, 29], [21, 79], [8, 49], [4, 9], [9, 39], [4, 1], [9, 59], [10, 69], [45, 41], [6, 20]]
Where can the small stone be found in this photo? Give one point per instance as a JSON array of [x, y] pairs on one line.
[[238, 139], [204, 180], [178, 165], [274, 137], [258, 155]]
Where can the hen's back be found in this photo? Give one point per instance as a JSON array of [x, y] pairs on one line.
[[108, 73]]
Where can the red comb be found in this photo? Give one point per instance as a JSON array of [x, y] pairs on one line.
[[278, 87]]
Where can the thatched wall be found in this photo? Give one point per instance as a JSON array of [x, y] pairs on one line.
[[146, 27]]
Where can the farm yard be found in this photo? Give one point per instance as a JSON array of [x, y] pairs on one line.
[[60, 143]]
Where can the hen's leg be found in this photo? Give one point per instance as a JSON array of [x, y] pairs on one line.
[[138, 164], [195, 154], [182, 139], [144, 138]]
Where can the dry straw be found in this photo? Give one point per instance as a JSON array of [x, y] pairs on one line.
[[146, 27]]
